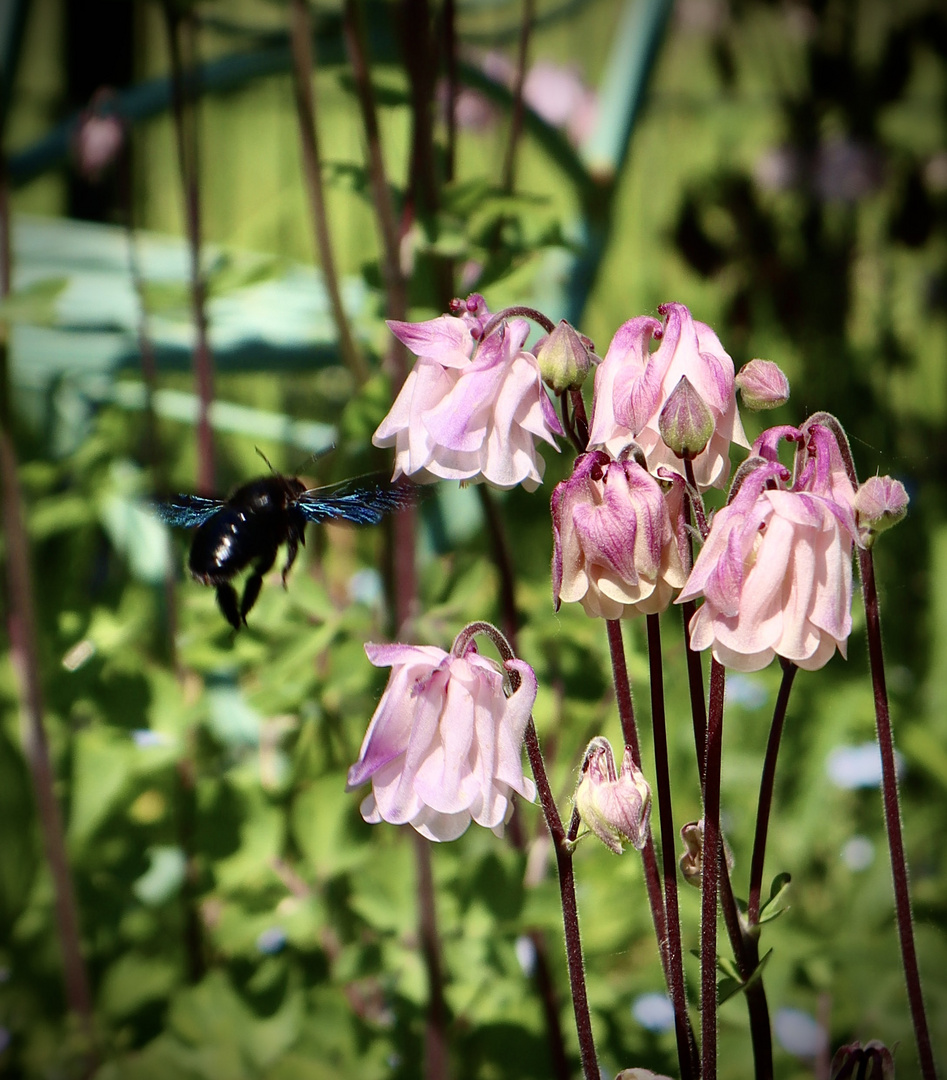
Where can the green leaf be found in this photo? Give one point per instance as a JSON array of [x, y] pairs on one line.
[[34, 303], [778, 898]]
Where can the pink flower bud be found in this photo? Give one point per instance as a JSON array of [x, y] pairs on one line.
[[614, 548], [879, 503], [692, 861], [444, 747], [685, 423], [97, 143], [762, 385], [615, 806], [869, 1061]]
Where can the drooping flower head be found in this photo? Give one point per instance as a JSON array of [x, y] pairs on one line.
[[776, 568], [614, 548], [632, 386], [444, 746], [473, 406]]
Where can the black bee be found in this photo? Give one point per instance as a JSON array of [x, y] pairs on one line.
[[248, 528]]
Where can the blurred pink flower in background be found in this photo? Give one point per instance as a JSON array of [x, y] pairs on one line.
[[776, 575], [614, 548], [632, 386], [471, 409], [444, 746]]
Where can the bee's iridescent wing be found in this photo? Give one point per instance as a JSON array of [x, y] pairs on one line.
[[187, 511], [363, 501]]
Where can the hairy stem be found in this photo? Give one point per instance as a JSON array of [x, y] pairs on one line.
[[766, 792], [570, 911], [892, 808], [711, 876], [686, 1044], [626, 714]]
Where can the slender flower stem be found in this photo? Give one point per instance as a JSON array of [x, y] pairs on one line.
[[396, 292], [508, 176], [449, 37], [581, 419], [189, 170], [626, 714], [436, 1064], [766, 792], [711, 876], [301, 41], [503, 560], [570, 911], [512, 312], [892, 808], [695, 681], [21, 621], [686, 1044]]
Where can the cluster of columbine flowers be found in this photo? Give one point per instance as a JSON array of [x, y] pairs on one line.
[[774, 570]]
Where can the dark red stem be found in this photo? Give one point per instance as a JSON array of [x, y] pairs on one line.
[[766, 792], [711, 876], [570, 911], [686, 1043], [626, 714], [889, 776]]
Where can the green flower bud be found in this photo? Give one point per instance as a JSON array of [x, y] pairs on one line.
[[564, 358], [685, 423]]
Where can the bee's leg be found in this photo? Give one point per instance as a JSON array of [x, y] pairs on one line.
[[227, 602], [292, 549], [255, 582]]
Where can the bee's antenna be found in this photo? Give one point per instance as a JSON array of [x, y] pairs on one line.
[[266, 459], [315, 456]]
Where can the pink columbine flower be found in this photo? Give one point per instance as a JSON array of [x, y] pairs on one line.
[[633, 384], [472, 408], [445, 744], [614, 548], [775, 572]]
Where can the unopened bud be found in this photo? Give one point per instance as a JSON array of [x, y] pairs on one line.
[[879, 503], [640, 1074], [692, 861], [564, 358], [762, 385], [873, 1061], [615, 806], [685, 423]]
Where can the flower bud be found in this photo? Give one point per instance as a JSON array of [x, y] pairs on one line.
[[762, 385], [615, 806], [873, 1061], [640, 1074], [564, 358], [685, 423], [879, 503], [692, 861]]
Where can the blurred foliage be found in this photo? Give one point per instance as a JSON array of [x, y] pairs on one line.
[[788, 181]]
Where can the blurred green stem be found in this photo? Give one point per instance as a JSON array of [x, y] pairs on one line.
[[508, 175], [301, 41], [21, 619], [183, 96]]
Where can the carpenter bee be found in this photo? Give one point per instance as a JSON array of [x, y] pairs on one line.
[[247, 528]]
